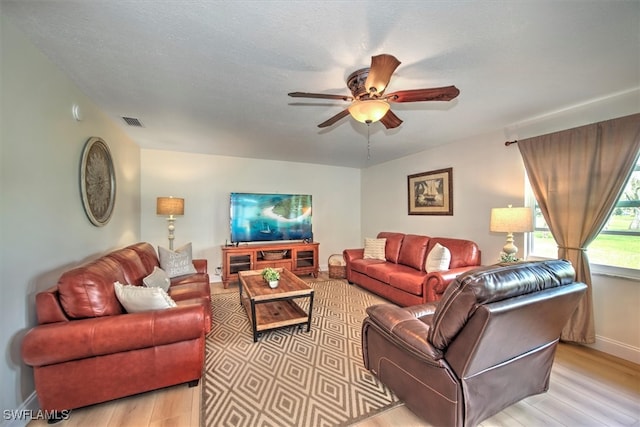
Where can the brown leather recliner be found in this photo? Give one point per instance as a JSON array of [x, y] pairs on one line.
[[488, 343]]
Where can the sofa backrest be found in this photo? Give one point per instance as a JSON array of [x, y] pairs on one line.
[[413, 251], [392, 247], [88, 291], [147, 255], [133, 269], [464, 253], [490, 284]]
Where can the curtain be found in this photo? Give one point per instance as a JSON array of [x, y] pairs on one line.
[[577, 175]]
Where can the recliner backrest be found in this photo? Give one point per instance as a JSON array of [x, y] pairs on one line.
[[490, 284]]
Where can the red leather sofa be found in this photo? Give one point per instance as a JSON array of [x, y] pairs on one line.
[[86, 349], [401, 277]]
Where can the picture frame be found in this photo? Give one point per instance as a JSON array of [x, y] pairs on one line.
[[97, 181], [431, 193]]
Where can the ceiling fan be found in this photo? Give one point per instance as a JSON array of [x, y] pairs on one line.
[[369, 102]]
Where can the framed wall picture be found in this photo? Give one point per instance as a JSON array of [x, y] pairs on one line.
[[97, 181], [431, 193]]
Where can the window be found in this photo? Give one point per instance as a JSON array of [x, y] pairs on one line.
[[617, 245]]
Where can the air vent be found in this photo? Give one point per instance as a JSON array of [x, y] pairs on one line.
[[132, 121]]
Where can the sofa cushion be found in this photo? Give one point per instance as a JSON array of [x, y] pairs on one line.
[[485, 285], [413, 251], [157, 279], [87, 291], [190, 291], [177, 263], [408, 279], [438, 259], [381, 271], [360, 265], [135, 299], [199, 278], [392, 248], [374, 248]]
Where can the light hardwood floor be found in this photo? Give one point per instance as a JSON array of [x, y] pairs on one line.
[[588, 388]]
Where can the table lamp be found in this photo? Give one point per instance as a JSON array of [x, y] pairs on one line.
[[511, 220], [170, 206]]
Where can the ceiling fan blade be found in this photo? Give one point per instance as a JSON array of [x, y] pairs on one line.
[[320, 95], [446, 93], [332, 120], [390, 120], [382, 67]]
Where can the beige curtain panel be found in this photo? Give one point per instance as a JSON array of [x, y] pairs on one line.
[[577, 175]]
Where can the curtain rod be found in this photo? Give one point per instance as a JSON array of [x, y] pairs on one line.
[[508, 143]]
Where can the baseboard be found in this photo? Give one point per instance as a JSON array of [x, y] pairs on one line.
[[616, 348], [22, 416]]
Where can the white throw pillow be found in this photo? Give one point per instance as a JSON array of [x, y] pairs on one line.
[[176, 263], [438, 259], [135, 299], [374, 248], [157, 279]]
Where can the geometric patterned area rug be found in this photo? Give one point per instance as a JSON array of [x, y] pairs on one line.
[[292, 377]]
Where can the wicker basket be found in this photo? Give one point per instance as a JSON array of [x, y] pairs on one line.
[[337, 267], [273, 255]]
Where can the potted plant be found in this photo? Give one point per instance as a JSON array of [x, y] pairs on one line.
[[271, 275]]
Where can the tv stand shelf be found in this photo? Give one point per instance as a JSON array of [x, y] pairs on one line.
[[297, 257]]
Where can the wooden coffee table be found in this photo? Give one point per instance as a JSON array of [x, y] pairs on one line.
[[270, 309]]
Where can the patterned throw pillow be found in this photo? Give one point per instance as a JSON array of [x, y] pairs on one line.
[[176, 263], [135, 299], [157, 279], [374, 248], [438, 259]]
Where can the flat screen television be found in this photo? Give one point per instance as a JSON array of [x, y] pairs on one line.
[[257, 217]]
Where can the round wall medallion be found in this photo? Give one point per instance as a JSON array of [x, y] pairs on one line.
[[97, 181]]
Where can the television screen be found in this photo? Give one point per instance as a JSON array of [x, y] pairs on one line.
[[263, 217]]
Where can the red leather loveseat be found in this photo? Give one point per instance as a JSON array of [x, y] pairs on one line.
[[401, 277], [86, 349]]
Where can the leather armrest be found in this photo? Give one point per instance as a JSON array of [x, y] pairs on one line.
[[351, 254], [78, 339], [405, 328], [436, 282], [200, 265]]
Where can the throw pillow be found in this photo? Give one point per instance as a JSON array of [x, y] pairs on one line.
[[374, 248], [135, 299], [176, 263], [157, 279], [438, 259]]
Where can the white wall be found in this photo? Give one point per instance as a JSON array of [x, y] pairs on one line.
[[43, 227], [487, 174], [205, 181]]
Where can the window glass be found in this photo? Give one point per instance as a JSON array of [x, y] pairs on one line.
[[617, 245]]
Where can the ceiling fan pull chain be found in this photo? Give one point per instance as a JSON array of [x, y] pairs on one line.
[[368, 143]]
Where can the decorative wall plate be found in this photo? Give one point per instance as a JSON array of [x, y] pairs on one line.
[[97, 181]]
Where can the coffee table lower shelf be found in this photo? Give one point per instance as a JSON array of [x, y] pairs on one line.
[[274, 314]]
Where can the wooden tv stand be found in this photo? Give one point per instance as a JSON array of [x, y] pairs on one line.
[[297, 257]]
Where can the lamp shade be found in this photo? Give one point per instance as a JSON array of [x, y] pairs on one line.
[[170, 206], [368, 111], [511, 220]]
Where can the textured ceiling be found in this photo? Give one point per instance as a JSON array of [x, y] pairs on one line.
[[213, 76]]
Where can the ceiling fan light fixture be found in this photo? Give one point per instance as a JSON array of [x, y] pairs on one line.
[[368, 111]]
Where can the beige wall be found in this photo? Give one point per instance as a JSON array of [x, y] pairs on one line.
[[43, 227], [205, 181]]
